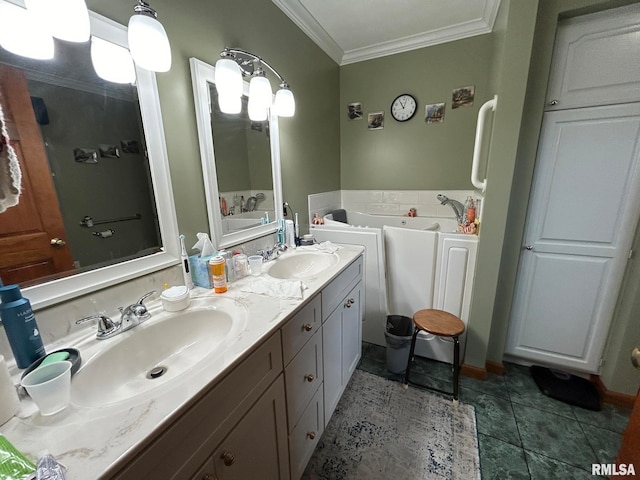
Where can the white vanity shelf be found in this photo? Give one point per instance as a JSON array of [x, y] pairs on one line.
[[255, 411]]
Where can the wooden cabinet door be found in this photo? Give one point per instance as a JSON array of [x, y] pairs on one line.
[[257, 446]]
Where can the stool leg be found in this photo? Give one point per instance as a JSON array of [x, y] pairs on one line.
[[413, 347], [456, 366]]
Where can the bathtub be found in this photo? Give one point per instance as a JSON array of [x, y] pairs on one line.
[[411, 263], [358, 219]]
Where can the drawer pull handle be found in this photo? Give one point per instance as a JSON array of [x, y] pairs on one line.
[[309, 377], [311, 435], [307, 327], [228, 458], [208, 476]]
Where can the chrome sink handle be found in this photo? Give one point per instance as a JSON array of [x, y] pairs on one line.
[[135, 314], [106, 327]]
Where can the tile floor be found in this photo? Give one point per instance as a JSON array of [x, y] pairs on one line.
[[522, 434]]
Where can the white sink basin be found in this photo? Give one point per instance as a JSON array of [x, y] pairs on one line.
[[167, 348], [297, 266]]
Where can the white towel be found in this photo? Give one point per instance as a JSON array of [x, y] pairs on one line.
[[10, 174], [327, 247], [286, 289]]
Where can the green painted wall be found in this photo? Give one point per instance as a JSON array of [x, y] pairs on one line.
[[414, 155], [310, 151]]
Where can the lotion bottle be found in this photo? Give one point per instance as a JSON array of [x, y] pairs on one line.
[[20, 325]]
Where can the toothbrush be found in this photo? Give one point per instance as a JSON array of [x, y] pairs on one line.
[[188, 281]]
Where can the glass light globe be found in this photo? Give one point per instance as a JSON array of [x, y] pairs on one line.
[[23, 34], [284, 104], [257, 112], [260, 91], [228, 78], [112, 62], [149, 44], [64, 19], [229, 104]]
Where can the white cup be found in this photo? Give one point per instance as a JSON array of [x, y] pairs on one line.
[[50, 387], [255, 264]]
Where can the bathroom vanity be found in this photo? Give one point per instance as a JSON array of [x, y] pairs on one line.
[[256, 407]]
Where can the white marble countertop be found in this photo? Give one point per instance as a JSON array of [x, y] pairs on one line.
[[92, 441]]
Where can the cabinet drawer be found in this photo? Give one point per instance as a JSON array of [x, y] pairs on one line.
[[333, 294], [305, 436], [299, 329], [302, 377], [194, 434]]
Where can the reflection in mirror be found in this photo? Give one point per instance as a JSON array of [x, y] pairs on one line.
[[91, 152], [241, 165]]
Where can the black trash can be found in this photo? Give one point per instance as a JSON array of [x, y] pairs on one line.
[[398, 336]]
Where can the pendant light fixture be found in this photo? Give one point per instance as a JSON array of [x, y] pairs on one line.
[[22, 33], [64, 19], [236, 63], [148, 41]]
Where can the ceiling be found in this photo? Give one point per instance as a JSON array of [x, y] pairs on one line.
[[351, 31]]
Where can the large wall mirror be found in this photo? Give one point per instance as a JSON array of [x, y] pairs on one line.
[[240, 164], [96, 206]]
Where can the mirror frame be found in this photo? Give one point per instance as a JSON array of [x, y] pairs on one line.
[[202, 77], [67, 288]]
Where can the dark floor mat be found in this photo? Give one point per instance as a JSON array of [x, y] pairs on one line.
[[567, 388]]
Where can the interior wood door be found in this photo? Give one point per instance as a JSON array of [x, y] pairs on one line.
[[32, 234], [583, 211]]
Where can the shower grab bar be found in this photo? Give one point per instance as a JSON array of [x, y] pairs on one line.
[[477, 147]]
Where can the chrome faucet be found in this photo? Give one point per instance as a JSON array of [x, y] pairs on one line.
[[129, 317], [457, 207], [135, 313], [273, 253]]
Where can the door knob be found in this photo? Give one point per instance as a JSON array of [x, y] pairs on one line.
[[635, 357], [228, 458], [58, 242]]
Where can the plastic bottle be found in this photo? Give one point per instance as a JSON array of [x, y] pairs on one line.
[[218, 273], [470, 210], [20, 324]]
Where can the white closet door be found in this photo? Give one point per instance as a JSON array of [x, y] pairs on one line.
[[596, 60], [583, 211]]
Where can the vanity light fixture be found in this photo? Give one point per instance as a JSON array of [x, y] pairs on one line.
[[148, 41], [23, 33], [64, 19], [235, 63]]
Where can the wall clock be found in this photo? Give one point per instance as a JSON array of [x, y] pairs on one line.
[[404, 107]]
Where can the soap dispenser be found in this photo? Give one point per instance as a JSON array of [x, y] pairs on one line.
[[20, 325]]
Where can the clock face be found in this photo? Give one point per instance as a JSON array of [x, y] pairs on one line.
[[404, 107]]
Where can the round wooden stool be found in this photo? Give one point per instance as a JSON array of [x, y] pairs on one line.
[[441, 324]]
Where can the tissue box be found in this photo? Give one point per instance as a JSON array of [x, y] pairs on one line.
[[200, 272]]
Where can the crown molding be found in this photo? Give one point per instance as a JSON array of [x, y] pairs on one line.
[[310, 26]]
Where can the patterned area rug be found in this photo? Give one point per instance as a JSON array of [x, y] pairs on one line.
[[381, 431]]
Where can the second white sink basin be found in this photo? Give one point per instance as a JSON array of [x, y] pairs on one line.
[[152, 354], [296, 266]]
